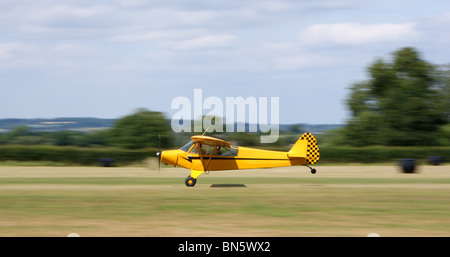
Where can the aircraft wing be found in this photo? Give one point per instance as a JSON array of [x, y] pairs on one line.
[[210, 141]]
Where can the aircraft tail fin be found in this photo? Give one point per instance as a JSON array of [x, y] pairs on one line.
[[306, 147]]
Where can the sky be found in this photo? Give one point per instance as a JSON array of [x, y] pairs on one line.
[[106, 59]]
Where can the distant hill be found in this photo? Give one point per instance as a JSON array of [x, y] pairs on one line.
[[92, 124], [313, 128], [58, 124]]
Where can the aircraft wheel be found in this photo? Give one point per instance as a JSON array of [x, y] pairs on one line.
[[190, 181], [313, 171]]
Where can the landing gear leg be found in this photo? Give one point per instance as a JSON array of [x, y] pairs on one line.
[[313, 171], [190, 181]]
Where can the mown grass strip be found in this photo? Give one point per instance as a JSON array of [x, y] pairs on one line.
[[169, 181]]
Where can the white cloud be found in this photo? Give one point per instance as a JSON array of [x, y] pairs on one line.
[[301, 61], [16, 50], [206, 41], [71, 48], [7, 50], [357, 34], [275, 6], [19, 55], [50, 16], [136, 35], [333, 4]]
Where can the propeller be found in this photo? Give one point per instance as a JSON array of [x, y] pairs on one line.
[[159, 152]]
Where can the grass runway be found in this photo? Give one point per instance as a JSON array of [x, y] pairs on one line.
[[134, 201]]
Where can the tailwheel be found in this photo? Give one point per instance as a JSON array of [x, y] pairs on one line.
[[190, 181], [313, 171]]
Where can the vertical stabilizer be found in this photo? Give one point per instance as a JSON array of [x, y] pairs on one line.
[[306, 147], [312, 151]]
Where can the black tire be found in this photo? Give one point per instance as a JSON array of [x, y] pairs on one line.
[[190, 181]]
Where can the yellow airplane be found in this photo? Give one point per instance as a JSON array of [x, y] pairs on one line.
[[204, 153]]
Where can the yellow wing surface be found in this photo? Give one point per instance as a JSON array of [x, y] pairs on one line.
[[210, 140]]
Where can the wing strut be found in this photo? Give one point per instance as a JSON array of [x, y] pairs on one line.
[[200, 153], [210, 156]]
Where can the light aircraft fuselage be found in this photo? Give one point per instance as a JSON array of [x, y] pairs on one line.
[[205, 153]]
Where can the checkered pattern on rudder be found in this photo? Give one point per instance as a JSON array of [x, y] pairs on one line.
[[312, 151]]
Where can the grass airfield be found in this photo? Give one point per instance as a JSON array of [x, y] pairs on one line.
[[353, 200]]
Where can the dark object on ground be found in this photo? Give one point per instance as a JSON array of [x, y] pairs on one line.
[[107, 162], [408, 165], [435, 160]]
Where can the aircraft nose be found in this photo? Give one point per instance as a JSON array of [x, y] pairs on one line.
[[169, 157]]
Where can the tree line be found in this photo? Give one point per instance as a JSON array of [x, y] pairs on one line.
[[141, 129]]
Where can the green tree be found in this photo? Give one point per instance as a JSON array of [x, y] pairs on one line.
[[403, 103], [140, 130], [20, 131]]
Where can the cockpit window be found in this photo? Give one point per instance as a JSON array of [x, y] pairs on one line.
[[227, 151], [208, 149], [187, 146], [194, 149]]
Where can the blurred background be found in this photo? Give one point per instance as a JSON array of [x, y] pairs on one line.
[[90, 83], [353, 77]]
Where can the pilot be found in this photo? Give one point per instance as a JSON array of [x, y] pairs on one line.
[[218, 152]]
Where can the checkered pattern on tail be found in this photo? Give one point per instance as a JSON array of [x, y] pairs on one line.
[[312, 150]]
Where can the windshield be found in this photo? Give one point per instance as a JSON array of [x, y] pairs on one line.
[[187, 146]]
